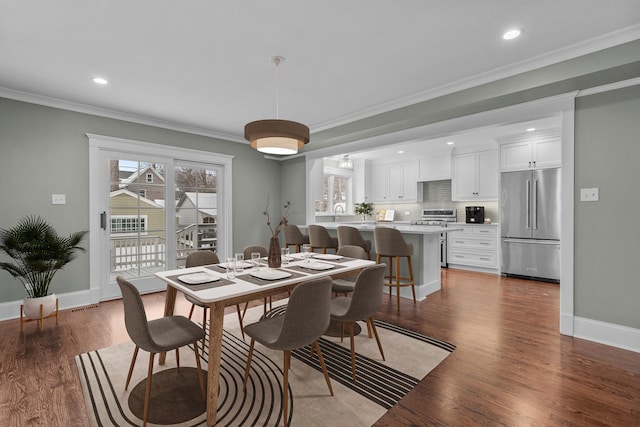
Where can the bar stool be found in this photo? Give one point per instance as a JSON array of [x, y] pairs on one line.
[[294, 237], [350, 236], [319, 238], [390, 244]]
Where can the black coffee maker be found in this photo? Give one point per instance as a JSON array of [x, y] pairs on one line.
[[475, 214]]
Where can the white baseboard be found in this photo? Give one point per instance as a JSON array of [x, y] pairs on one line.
[[11, 310], [607, 333]]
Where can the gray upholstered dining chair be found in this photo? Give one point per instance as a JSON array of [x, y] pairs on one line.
[[156, 336], [294, 237], [345, 285], [319, 238], [351, 236], [304, 321], [363, 303], [390, 244], [196, 259]]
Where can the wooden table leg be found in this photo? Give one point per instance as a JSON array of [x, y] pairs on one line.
[[215, 351], [169, 306]]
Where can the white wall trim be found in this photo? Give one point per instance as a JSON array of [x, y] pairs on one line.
[[607, 333], [606, 88], [11, 309]]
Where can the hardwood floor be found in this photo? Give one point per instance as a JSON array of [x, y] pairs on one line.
[[511, 366]]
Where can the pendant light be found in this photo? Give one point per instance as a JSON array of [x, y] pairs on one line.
[[345, 163], [275, 136]]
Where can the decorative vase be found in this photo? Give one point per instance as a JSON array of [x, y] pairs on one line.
[[364, 218], [31, 306], [274, 259]]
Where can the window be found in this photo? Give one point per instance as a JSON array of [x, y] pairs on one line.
[[128, 224], [149, 178], [142, 192], [336, 192]]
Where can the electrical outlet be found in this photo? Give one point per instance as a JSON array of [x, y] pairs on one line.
[[58, 199], [589, 195]]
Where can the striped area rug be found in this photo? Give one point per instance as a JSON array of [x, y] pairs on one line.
[[380, 385]]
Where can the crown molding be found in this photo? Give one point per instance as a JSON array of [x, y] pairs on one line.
[[586, 47], [113, 114]]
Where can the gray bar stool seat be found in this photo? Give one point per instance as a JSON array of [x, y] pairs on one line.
[[319, 238], [390, 244], [351, 236], [294, 237]]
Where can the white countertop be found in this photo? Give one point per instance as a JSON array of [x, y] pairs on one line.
[[404, 227]]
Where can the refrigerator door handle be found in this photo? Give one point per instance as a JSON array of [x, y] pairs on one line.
[[532, 241], [528, 205], [534, 208]]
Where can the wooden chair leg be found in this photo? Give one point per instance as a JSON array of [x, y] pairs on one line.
[[246, 370], [353, 351], [147, 394], [285, 386], [133, 362], [375, 332], [178, 358], [204, 328], [324, 368], [398, 281], [199, 366], [191, 311], [240, 316], [413, 284]]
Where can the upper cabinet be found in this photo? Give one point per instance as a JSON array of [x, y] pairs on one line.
[[434, 167], [394, 182], [475, 176], [532, 150]]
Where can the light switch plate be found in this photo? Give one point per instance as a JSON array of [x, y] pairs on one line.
[[589, 195], [58, 199]]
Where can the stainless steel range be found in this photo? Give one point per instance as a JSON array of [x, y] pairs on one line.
[[439, 217]]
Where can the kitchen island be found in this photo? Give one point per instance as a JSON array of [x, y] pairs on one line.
[[426, 251]]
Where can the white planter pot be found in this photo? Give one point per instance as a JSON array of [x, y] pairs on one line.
[[31, 306]]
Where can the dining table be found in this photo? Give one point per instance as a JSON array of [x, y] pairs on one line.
[[211, 285]]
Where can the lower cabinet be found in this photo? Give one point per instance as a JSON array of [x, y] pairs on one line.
[[473, 246]]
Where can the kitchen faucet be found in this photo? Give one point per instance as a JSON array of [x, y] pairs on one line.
[[335, 211]]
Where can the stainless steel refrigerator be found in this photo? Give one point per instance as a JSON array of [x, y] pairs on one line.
[[530, 223]]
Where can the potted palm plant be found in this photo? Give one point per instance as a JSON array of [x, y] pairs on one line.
[[37, 252]]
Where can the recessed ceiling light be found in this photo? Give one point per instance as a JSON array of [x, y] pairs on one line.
[[449, 142], [530, 129], [511, 34], [100, 80], [400, 151]]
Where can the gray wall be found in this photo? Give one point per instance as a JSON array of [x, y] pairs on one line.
[[44, 150], [607, 233]]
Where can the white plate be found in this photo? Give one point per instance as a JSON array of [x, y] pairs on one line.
[[316, 265], [197, 278], [328, 257], [269, 274]]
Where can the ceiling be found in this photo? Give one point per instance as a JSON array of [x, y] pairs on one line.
[[204, 66]]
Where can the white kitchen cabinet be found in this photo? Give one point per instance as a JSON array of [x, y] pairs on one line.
[[394, 182], [475, 246], [537, 150], [434, 167], [475, 176]]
